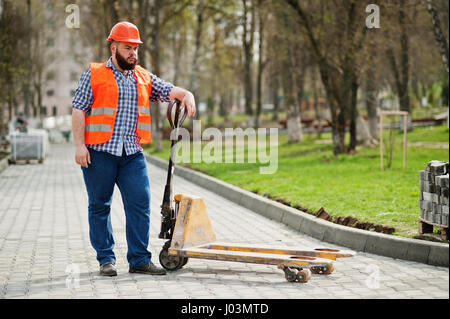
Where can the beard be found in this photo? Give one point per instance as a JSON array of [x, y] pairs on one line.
[[123, 63]]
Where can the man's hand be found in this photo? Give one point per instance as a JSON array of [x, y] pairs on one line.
[[188, 103], [187, 99], [82, 156]]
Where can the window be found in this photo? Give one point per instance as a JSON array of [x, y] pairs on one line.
[[50, 75]]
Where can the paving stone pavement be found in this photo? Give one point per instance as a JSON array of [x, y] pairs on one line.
[[45, 250]]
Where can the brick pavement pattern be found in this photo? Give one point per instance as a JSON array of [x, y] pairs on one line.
[[45, 250]]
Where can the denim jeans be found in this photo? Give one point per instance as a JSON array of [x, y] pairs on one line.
[[130, 175]]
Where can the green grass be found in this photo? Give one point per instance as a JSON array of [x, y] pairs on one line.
[[310, 176], [428, 134]]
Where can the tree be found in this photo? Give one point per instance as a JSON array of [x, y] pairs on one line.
[[13, 62], [205, 12], [335, 43], [153, 22], [222, 66], [371, 91], [292, 68], [400, 66]]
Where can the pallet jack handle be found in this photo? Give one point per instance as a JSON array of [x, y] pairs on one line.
[[176, 116]]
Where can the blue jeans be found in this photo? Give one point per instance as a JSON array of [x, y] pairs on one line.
[[130, 175]]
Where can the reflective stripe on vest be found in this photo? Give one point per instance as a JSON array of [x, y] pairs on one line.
[[100, 119], [143, 109], [101, 111], [98, 128], [144, 126]]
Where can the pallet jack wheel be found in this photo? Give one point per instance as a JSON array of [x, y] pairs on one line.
[[303, 275], [323, 270], [185, 260], [290, 275], [300, 275], [171, 262]]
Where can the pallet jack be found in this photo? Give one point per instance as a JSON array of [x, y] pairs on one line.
[[188, 229]]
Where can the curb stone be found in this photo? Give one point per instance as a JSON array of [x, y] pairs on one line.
[[432, 253]]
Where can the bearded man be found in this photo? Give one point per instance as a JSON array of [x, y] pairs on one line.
[[110, 121]]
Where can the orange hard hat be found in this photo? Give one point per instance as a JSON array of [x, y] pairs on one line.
[[124, 32]]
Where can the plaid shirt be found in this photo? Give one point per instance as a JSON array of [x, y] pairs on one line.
[[124, 134]]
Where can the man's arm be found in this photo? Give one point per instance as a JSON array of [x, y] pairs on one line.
[[187, 99], [81, 103], [82, 156], [165, 92]]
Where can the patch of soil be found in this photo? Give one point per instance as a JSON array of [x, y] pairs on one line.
[[342, 220], [354, 222]]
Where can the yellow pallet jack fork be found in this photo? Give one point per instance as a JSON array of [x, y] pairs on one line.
[[190, 234]]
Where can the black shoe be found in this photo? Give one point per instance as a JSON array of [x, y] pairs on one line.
[[108, 269], [148, 269]]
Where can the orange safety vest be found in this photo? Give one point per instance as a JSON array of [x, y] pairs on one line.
[[100, 119]]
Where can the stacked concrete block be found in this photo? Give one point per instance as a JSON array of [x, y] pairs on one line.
[[434, 191]]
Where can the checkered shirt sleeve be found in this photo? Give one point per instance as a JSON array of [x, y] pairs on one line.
[[160, 90], [83, 98]]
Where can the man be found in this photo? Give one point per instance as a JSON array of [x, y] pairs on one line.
[[110, 121]]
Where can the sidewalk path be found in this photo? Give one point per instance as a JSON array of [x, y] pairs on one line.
[[45, 250]]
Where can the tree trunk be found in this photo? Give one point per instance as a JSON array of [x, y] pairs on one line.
[[353, 113], [155, 47], [363, 135], [300, 79], [260, 66], [336, 118], [247, 40], [3, 123], [177, 48], [439, 34], [275, 99], [143, 12], [401, 72], [404, 75], [371, 108], [228, 99], [336, 134], [292, 116], [27, 82], [344, 101], [195, 62], [317, 115]]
